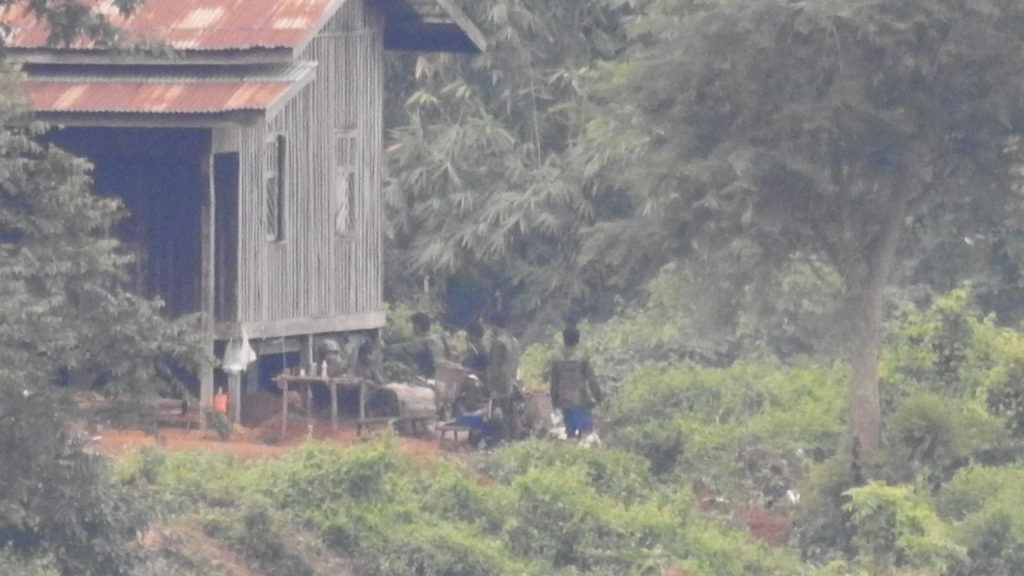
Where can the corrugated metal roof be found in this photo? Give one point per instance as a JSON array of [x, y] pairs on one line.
[[234, 28], [195, 24], [169, 93]]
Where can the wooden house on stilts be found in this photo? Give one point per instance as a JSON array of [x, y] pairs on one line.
[[249, 152]]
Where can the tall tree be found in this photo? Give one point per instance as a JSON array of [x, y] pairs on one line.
[[480, 191], [825, 131], [62, 309]]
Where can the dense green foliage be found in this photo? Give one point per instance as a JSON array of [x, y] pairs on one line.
[[691, 454], [65, 320], [541, 509], [726, 187], [749, 143], [481, 197]]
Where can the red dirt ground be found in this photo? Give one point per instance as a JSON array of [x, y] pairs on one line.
[[249, 442]]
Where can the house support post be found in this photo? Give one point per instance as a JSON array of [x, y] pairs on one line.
[[235, 397], [206, 287]]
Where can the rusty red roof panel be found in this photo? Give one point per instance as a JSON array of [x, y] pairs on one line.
[[151, 97], [195, 24], [165, 94]]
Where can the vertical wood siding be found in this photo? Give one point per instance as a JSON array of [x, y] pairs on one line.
[[315, 272]]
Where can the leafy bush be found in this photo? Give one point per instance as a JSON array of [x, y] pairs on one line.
[[985, 505], [609, 472], [601, 510], [549, 509], [951, 350], [897, 527], [58, 502], [746, 428], [254, 530], [560, 519], [11, 563], [823, 520], [929, 435]]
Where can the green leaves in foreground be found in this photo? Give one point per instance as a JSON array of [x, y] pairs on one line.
[[543, 509]]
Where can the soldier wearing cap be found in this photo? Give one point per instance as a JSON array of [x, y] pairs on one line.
[[331, 358]]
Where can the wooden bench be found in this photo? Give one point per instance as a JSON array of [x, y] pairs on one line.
[[414, 422], [454, 430], [174, 412]]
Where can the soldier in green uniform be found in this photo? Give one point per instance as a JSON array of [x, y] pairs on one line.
[[475, 358], [366, 364], [502, 372], [574, 387], [429, 347], [425, 351]]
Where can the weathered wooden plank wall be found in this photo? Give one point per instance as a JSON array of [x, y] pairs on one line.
[[315, 272]]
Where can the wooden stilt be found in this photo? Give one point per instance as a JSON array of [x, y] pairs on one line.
[[206, 232], [235, 397], [334, 406], [284, 411]]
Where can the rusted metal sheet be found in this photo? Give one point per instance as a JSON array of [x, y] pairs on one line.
[[163, 94], [195, 24], [238, 25]]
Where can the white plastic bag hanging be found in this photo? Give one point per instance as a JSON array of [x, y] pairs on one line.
[[238, 355]]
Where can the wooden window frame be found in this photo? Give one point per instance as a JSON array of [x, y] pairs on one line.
[[346, 181], [275, 189]]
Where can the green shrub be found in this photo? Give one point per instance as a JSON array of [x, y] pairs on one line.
[[986, 507], [560, 519], [451, 492], [928, 435], [220, 423], [897, 527], [11, 563], [444, 549], [547, 509], [749, 428], [951, 350], [186, 479], [823, 521], [608, 472]]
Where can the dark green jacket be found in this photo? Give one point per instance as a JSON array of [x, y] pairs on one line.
[[572, 380], [502, 365]]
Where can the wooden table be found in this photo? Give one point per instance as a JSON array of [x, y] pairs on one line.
[[288, 381]]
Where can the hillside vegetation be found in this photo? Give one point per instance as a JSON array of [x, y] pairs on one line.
[[704, 471]]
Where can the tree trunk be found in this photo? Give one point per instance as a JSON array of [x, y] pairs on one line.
[[866, 306], [865, 409]]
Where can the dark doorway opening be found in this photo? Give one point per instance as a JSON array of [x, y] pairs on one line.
[[159, 175]]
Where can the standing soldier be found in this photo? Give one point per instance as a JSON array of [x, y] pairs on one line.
[[502, 369], [475, 358], [425, 350], [574, 387]]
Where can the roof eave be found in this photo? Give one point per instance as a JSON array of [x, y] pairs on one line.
[[232, 118], [449, 30], [473, 34], [435, 38], [289, 94], [257, 55]]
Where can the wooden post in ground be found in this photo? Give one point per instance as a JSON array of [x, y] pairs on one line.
[[235, 397], [206, 287], [284, 409], [334, 405]]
